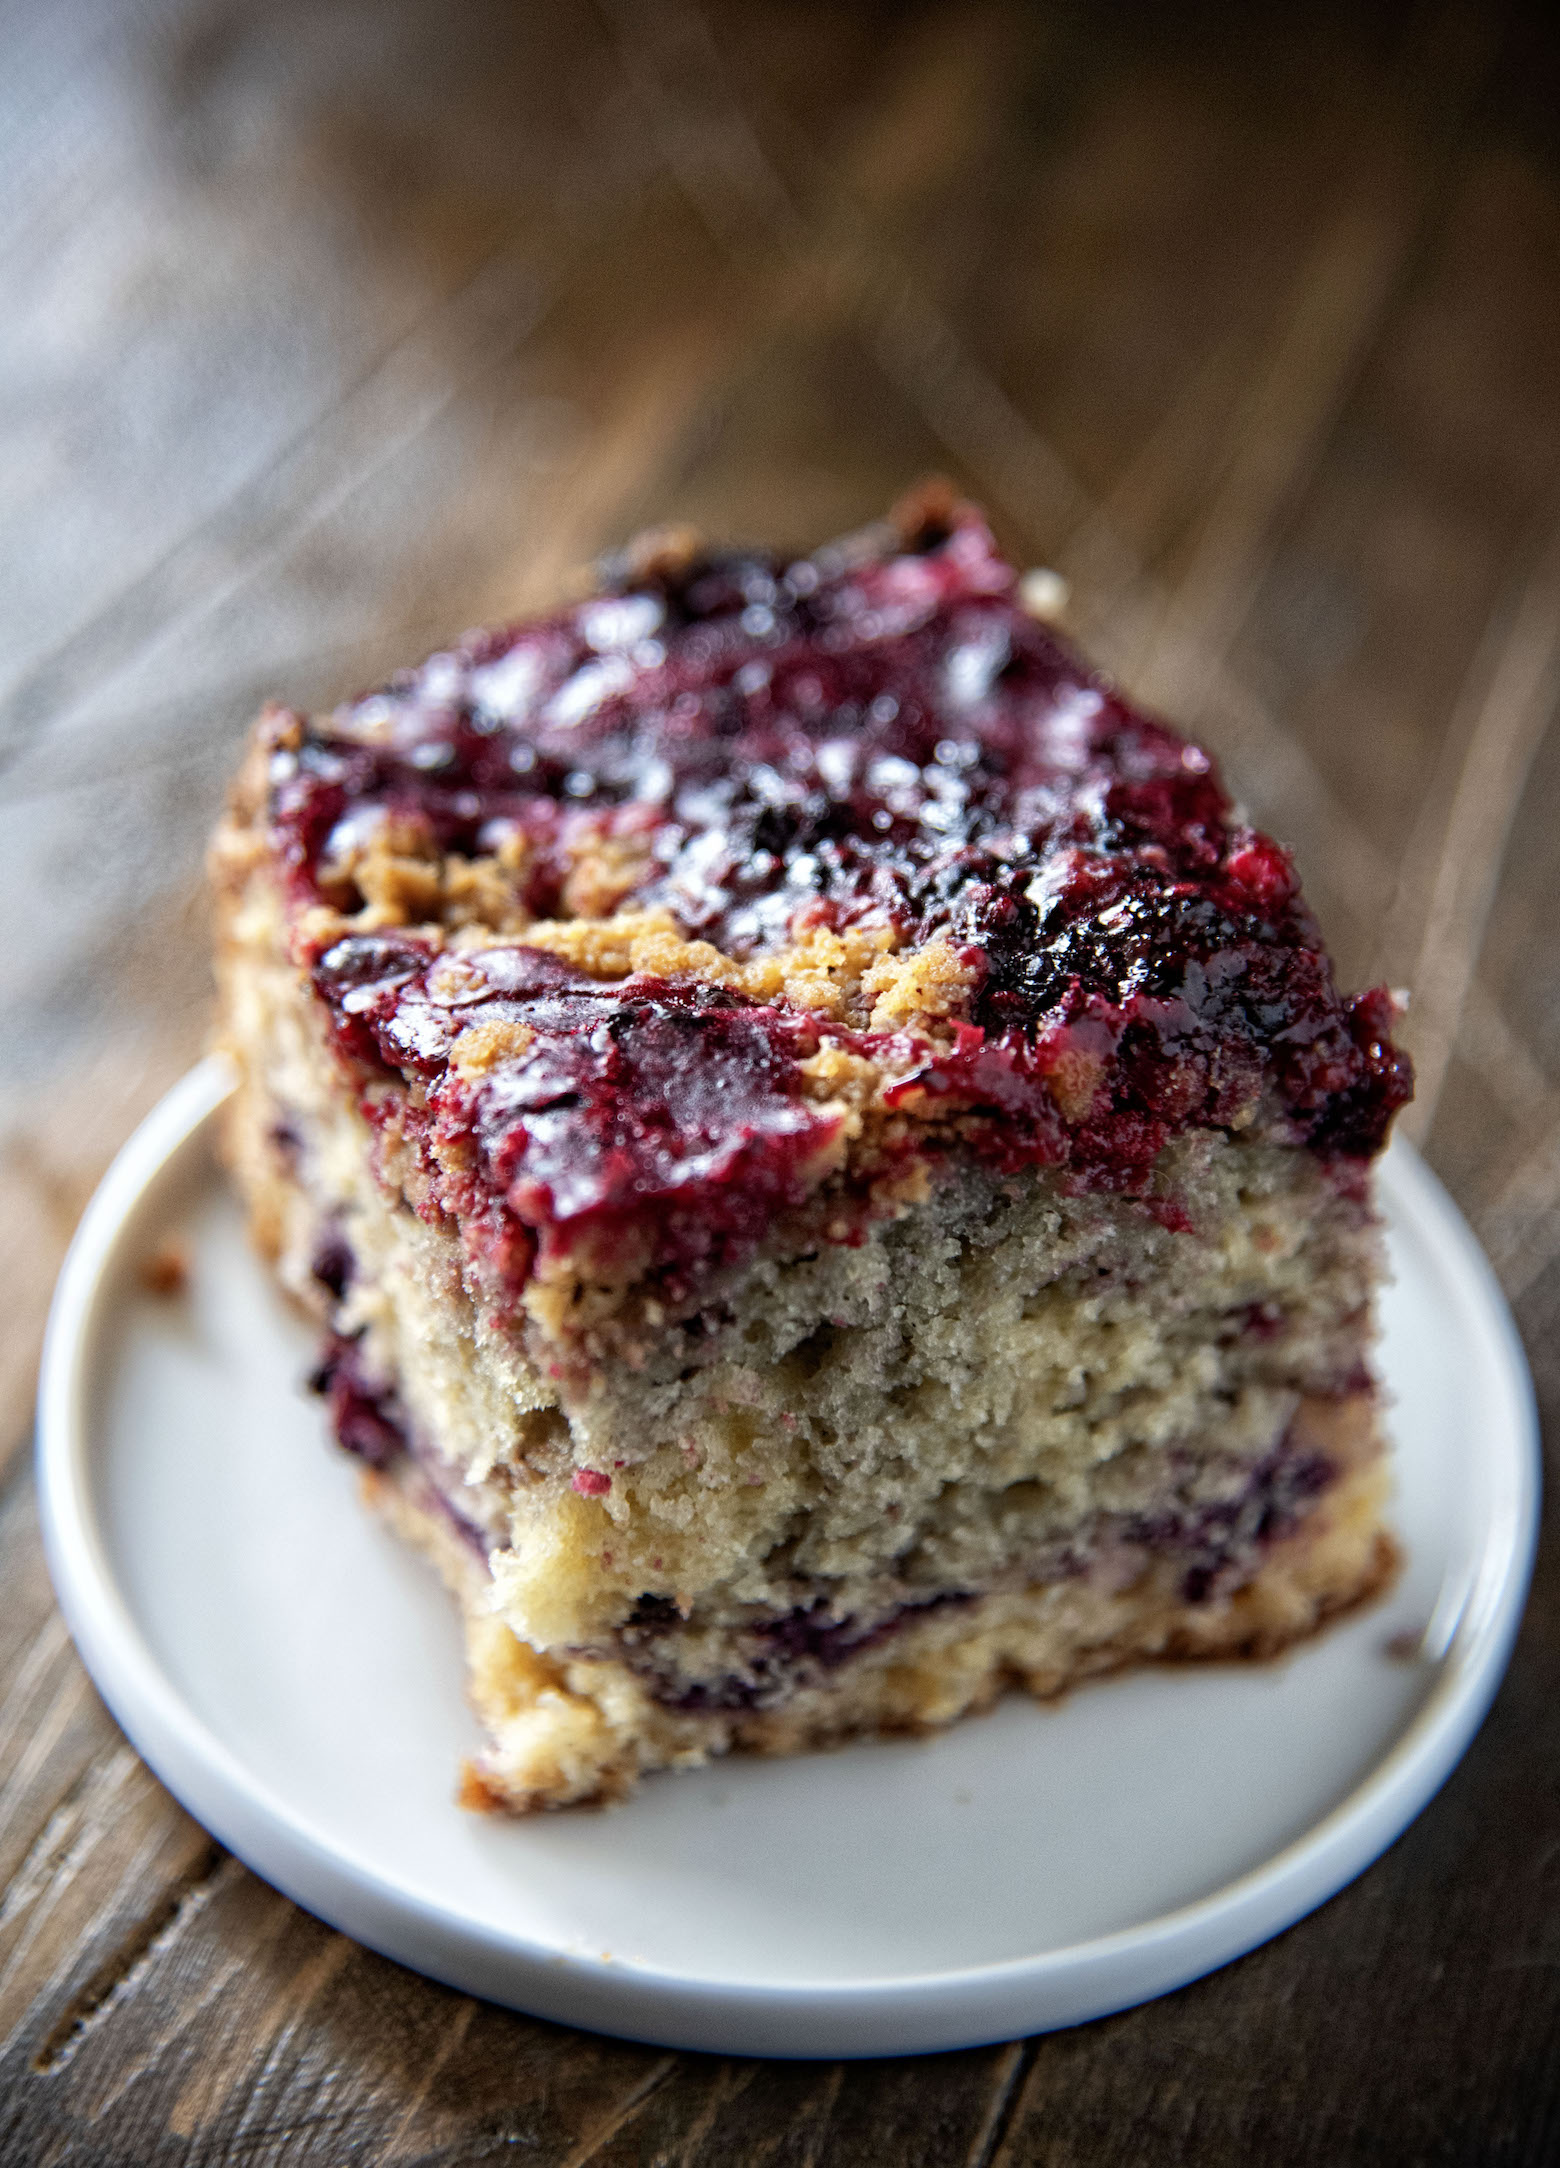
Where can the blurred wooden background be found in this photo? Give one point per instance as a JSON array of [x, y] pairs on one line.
[[329, 329]]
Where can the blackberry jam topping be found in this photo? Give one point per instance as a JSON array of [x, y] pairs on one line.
[[622, 1113], [763, 747], [891, 739]]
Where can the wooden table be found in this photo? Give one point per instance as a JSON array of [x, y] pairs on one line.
[[329, 329]]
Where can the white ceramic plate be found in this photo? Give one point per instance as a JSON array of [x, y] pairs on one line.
[[295, 1677]]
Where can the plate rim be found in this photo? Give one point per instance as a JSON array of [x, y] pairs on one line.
[[878, 2015]]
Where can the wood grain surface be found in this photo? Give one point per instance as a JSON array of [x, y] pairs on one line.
[[334, 326]]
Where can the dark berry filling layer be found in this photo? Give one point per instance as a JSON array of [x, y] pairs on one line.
[[366, 1417], [370, 1423], [1215, 1546], [785, 1653]]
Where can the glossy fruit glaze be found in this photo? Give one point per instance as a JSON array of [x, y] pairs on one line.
[[867, 736]]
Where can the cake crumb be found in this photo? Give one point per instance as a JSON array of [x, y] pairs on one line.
[[167, 1270], [1044, 594]]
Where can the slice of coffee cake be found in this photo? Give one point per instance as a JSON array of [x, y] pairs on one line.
[[831, 1161]]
